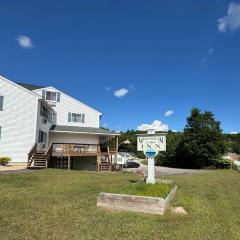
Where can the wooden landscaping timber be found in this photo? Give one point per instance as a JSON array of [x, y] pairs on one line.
[[143, 204]]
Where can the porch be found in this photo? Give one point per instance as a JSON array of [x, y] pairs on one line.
[[68, 155], [69, 144]]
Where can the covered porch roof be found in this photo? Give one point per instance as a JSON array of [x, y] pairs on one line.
[[83, 130]]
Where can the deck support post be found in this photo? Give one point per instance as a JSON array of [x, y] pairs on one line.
[[69, 162], [98, 161]]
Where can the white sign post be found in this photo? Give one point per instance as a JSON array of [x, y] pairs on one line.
[[151, 144]]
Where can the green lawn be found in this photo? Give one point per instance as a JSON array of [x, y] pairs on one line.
[[57, 204], [141, 189]]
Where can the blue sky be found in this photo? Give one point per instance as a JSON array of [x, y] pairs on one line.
[[131, 60]]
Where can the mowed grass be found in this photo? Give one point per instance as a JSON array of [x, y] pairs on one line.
[[140, 188], [57, 204]]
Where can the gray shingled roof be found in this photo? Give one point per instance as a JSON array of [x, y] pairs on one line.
[[30, 86], [91, 130]]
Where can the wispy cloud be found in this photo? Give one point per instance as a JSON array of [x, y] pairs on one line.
[[233, 132], [209, 53], [230, 22], [108, 88], [121, 92], [131, 86], [156, 125], [24, 42], [168, 113], [211, 50]]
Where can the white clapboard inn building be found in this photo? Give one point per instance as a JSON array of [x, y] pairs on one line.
[[44, 127]]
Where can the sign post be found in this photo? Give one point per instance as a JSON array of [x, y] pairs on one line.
[[151, 143]]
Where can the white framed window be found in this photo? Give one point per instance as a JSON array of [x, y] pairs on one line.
[[1, 103], [42, 137], [46, 114], [51, 96], [76, 117]]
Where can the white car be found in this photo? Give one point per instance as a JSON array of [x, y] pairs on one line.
[[122, 158], [237, 163]]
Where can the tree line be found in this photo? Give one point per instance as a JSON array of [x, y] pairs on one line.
[[201, 144]]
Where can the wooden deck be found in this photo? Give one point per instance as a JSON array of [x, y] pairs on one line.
[[104, 154]]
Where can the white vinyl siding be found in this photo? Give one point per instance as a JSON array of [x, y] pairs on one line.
[[43, 125], [73, 138], [18, 121], [70, 105]]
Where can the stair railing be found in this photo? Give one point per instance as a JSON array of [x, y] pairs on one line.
[[31, 153]]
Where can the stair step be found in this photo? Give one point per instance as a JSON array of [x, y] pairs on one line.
[[32, 167]]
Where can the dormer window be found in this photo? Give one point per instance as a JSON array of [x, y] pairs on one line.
[[51, 96]]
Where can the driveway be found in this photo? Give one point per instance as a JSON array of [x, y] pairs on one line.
[[165, 171], [12, 169]]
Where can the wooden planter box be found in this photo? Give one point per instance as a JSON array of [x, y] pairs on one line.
[[153, 205]]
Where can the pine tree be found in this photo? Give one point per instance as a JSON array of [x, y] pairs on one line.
[[202, 143]]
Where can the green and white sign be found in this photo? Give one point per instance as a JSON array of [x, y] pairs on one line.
[[156, 142], [151, 144]]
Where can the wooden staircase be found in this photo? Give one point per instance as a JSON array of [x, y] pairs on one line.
[[38, 161], [105, 166]]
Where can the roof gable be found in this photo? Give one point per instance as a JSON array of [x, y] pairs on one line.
[[50, 88]]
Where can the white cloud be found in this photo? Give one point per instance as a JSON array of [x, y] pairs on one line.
[[121, 92], [231, 22], [210, 50], [108, 88], [173, 130], [168, 113], [233, 132], [24, 42], [156, 125]]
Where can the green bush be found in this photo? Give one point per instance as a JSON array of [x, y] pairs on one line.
[[223, 163], [4, 160]]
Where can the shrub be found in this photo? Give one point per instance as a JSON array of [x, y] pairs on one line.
[[4, 160], [223, 163]]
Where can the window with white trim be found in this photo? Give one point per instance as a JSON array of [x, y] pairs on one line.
[[51, 96], [1, 103], [76, 117], [42, 137], [46, 114]]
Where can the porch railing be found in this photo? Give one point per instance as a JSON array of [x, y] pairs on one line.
[[73, 149]]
